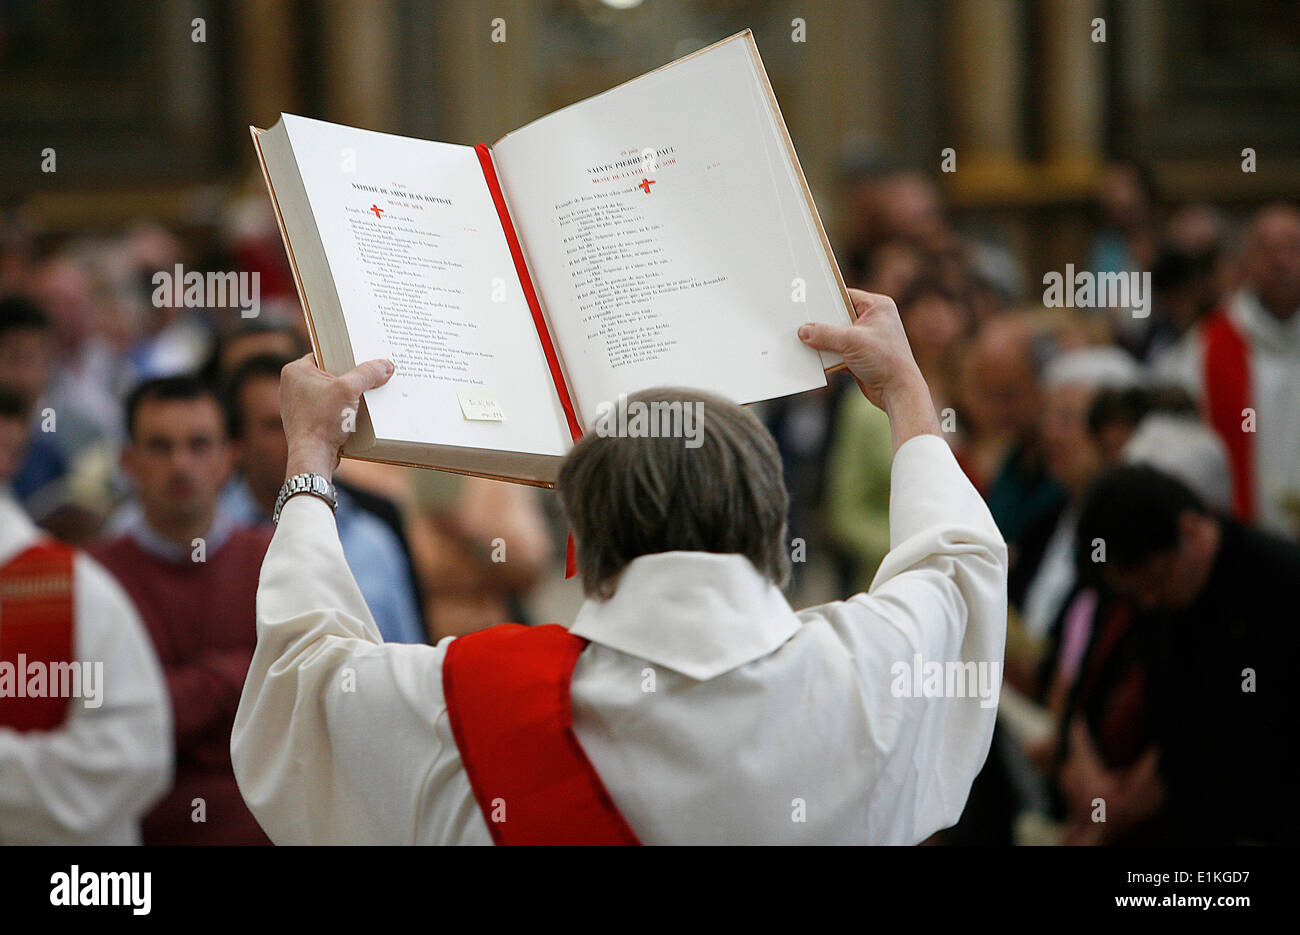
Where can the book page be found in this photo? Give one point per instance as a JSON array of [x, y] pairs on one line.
[[425, 278], [669, 237]]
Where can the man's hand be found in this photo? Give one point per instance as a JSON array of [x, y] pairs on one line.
[[876, 351], [319, 411], [1132, 795]]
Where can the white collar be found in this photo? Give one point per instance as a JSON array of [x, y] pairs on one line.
[[17, 531], [697, 613], [1250, 315], [159, 546]]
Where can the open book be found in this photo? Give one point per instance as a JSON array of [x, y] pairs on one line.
[[659, 234]]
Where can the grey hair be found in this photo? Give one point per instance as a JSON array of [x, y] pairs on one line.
[[631, 496]]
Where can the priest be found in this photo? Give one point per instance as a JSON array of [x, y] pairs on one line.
[[688, 702], [85, 723]]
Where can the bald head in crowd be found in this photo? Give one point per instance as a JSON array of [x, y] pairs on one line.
[[1271, 259], [1001, 377]]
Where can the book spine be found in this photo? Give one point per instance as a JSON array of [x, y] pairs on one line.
[[543, 333]]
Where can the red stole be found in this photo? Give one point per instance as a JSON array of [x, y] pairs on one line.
[[36, 626], [507, 694], [1226, 366]]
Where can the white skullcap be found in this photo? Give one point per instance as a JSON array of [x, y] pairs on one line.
[[1094, 367], [1186, 449]]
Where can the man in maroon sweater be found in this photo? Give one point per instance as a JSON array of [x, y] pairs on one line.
[[193, 576]]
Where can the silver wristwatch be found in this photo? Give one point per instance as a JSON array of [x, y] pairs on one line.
[[313, 484]]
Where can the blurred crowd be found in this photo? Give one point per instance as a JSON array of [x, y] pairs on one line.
[[1141, 460], [144, 427], [1143, 465]]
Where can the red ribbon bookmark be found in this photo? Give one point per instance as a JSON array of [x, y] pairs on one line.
[[570, 559], [543, 334], [548, 347]]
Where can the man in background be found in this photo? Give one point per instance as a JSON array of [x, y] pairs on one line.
[[73, 770], [192, 572], [60, 442], [375, 555], [26, 360], [1219, 624], [1243, 362]]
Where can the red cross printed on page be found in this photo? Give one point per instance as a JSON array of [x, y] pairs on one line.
[[645, 185], [378, 211]]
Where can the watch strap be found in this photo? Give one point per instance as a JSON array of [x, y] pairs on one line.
[[314, 484]]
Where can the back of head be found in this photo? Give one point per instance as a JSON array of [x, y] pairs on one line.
[[1133, 511], [674, 470], [19, 313], [26, 347], [13, 432]]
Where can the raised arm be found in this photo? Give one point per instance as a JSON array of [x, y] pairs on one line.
[[339, 737], [927, 639]]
